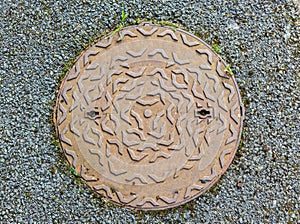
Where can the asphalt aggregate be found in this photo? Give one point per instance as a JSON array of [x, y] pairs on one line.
[[260, 39]]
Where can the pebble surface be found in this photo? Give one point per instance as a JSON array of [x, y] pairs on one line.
[[259, 39]]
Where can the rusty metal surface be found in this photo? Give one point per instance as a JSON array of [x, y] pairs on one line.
[[148, 117]]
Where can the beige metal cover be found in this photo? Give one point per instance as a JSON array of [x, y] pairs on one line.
[[149, 117]]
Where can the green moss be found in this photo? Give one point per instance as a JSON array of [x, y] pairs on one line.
[[53, 169], [112, 205], [167, 23], [246, 101], [55, 141], [251, 72], [239, 151], [215, 188], [27, 194], [228, 70], [66, 67], [188, 206], [137, 20], [216, 48], [72, 171]]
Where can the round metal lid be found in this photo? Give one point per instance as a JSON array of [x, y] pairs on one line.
[[148, 117]]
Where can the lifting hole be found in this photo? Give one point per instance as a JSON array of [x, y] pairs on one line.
[[93, 113], [203, 112]]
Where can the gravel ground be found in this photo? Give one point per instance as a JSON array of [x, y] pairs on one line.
[[259, 38]]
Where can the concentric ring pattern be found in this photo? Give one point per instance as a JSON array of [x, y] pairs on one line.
[[149, 117]]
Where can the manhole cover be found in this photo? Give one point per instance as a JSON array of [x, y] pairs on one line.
[[148, 117]]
